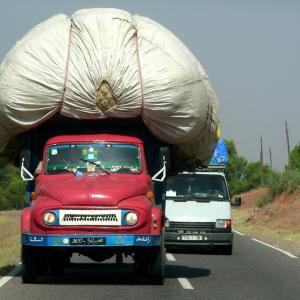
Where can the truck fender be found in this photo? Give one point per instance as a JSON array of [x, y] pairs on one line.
[[25, 220], [156, 221]]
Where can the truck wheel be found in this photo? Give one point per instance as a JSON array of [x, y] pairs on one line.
[[157, 265], [227, 250], [29, 264], [141, 267]]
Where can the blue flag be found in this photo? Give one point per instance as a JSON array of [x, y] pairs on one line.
[[220, 156]]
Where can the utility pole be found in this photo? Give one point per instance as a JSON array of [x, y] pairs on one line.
[[261, 162], [270, 152], [288, 143]]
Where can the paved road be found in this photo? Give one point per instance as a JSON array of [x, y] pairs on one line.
[[254, 271]]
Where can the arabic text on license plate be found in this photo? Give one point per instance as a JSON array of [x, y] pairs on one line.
[[88, 241], [192, 237]]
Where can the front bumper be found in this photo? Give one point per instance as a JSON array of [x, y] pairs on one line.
[[205, 239], [105, 240]]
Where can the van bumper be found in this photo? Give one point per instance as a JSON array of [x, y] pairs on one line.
[[205, 239]]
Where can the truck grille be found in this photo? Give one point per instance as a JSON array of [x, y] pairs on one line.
[[72, 217]]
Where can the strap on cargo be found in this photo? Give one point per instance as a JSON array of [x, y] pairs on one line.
[[67, 66], [140, 71]]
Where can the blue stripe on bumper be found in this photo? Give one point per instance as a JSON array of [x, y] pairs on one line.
[[110, 240]]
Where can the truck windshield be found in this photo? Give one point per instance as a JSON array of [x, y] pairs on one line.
[[93, 158], [200, 186]]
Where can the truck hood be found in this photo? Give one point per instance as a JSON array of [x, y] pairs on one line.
[[98, 190]]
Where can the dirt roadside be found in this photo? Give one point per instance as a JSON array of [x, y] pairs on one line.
[[277, 223]]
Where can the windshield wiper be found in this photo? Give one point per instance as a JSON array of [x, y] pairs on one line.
[[74, 170], [96, 164]]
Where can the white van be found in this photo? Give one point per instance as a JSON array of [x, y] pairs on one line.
[[198, 210]]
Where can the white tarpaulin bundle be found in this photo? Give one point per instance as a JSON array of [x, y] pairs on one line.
[[103, 63]]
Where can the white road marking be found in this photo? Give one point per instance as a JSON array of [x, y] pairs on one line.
[[238, 232], [185, 284], [170, 257], [9, 275], [278, 249]]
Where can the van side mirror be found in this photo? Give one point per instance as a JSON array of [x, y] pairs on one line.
[[25, 165], [165, 157], [236, 201]]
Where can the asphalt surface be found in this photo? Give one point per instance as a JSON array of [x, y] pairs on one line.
[[254, 271]]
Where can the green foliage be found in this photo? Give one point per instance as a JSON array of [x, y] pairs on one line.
[[295, 158], [231, 148], [241, 175], [12, 188], [288, 182], [278, 183]]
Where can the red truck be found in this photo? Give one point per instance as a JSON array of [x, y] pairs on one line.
[[93, 195]]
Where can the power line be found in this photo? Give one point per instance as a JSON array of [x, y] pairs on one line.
[[248, 141]]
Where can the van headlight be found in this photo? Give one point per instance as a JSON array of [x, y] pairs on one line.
[[49, 218], [131, 218]]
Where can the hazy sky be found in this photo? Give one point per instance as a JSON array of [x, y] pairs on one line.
[[250, 50]]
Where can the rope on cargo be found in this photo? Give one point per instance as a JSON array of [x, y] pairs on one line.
[[140, 70], [67, 66]]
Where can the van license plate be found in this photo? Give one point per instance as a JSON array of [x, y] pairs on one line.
[[88, 241], [192, 237]]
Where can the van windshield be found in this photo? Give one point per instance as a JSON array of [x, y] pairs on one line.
[[200, 186], [93, 158]]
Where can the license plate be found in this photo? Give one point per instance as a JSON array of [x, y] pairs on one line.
[[88, 241], [192, 238]]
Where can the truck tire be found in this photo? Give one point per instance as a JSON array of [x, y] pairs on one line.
[[141, 267], [157, 265], [29, 264]]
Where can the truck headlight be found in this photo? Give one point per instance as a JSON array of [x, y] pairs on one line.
[[220, 223], [131, 218], [49, 217]]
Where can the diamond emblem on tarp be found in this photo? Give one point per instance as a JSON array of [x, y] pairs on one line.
[[104, 97]]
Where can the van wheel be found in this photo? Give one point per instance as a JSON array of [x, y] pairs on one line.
[[227, 250], [157, 265], [29, 264]]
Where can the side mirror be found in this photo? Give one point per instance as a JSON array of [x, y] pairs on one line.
[[25, 164], [165, 157], [25, 158], [236, 201], [164, 163]]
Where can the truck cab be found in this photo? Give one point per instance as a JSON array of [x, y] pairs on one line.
[[94, 196], [198, 211]]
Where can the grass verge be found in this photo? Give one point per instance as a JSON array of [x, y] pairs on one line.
[[9, 240]]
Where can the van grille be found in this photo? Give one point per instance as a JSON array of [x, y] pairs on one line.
[[194, 228], [192, 225]]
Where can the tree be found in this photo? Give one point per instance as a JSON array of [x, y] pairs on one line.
[[241, 175], [12, 188], [295, 158], [235, 169]]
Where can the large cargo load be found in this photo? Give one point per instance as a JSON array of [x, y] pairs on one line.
[[106, 63]]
